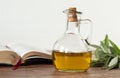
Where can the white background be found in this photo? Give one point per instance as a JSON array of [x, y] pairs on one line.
[[41, 22]]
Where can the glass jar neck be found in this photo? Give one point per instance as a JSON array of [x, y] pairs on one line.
[[72, 28]]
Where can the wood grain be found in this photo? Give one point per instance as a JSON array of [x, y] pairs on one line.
[[48, 71]]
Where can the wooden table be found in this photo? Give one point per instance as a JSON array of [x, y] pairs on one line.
[[48, 71]]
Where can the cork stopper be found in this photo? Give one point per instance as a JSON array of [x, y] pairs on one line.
[[72, 10], [72, 17]]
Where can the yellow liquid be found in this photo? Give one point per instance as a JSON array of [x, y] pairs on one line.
[[79, 61]]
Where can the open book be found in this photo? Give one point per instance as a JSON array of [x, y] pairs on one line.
[[11, 53]]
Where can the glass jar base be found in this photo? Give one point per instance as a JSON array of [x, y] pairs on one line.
[[63, 70]]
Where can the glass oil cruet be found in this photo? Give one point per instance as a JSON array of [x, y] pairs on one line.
[[71, 53]]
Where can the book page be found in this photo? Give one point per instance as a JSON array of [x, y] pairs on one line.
[[22, 49], [7, 56]]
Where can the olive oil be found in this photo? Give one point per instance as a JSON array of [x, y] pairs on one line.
[[72, 61]]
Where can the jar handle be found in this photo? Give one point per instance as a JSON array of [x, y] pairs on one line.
[[90, 29]]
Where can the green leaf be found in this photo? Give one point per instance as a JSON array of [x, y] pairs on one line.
[[98, 53], [117, 50], [95, 46], [107, 62], [119, 65], [96, 63], [118, 61], [106, 40], [113, 63], [105, 48], [112, 51]]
